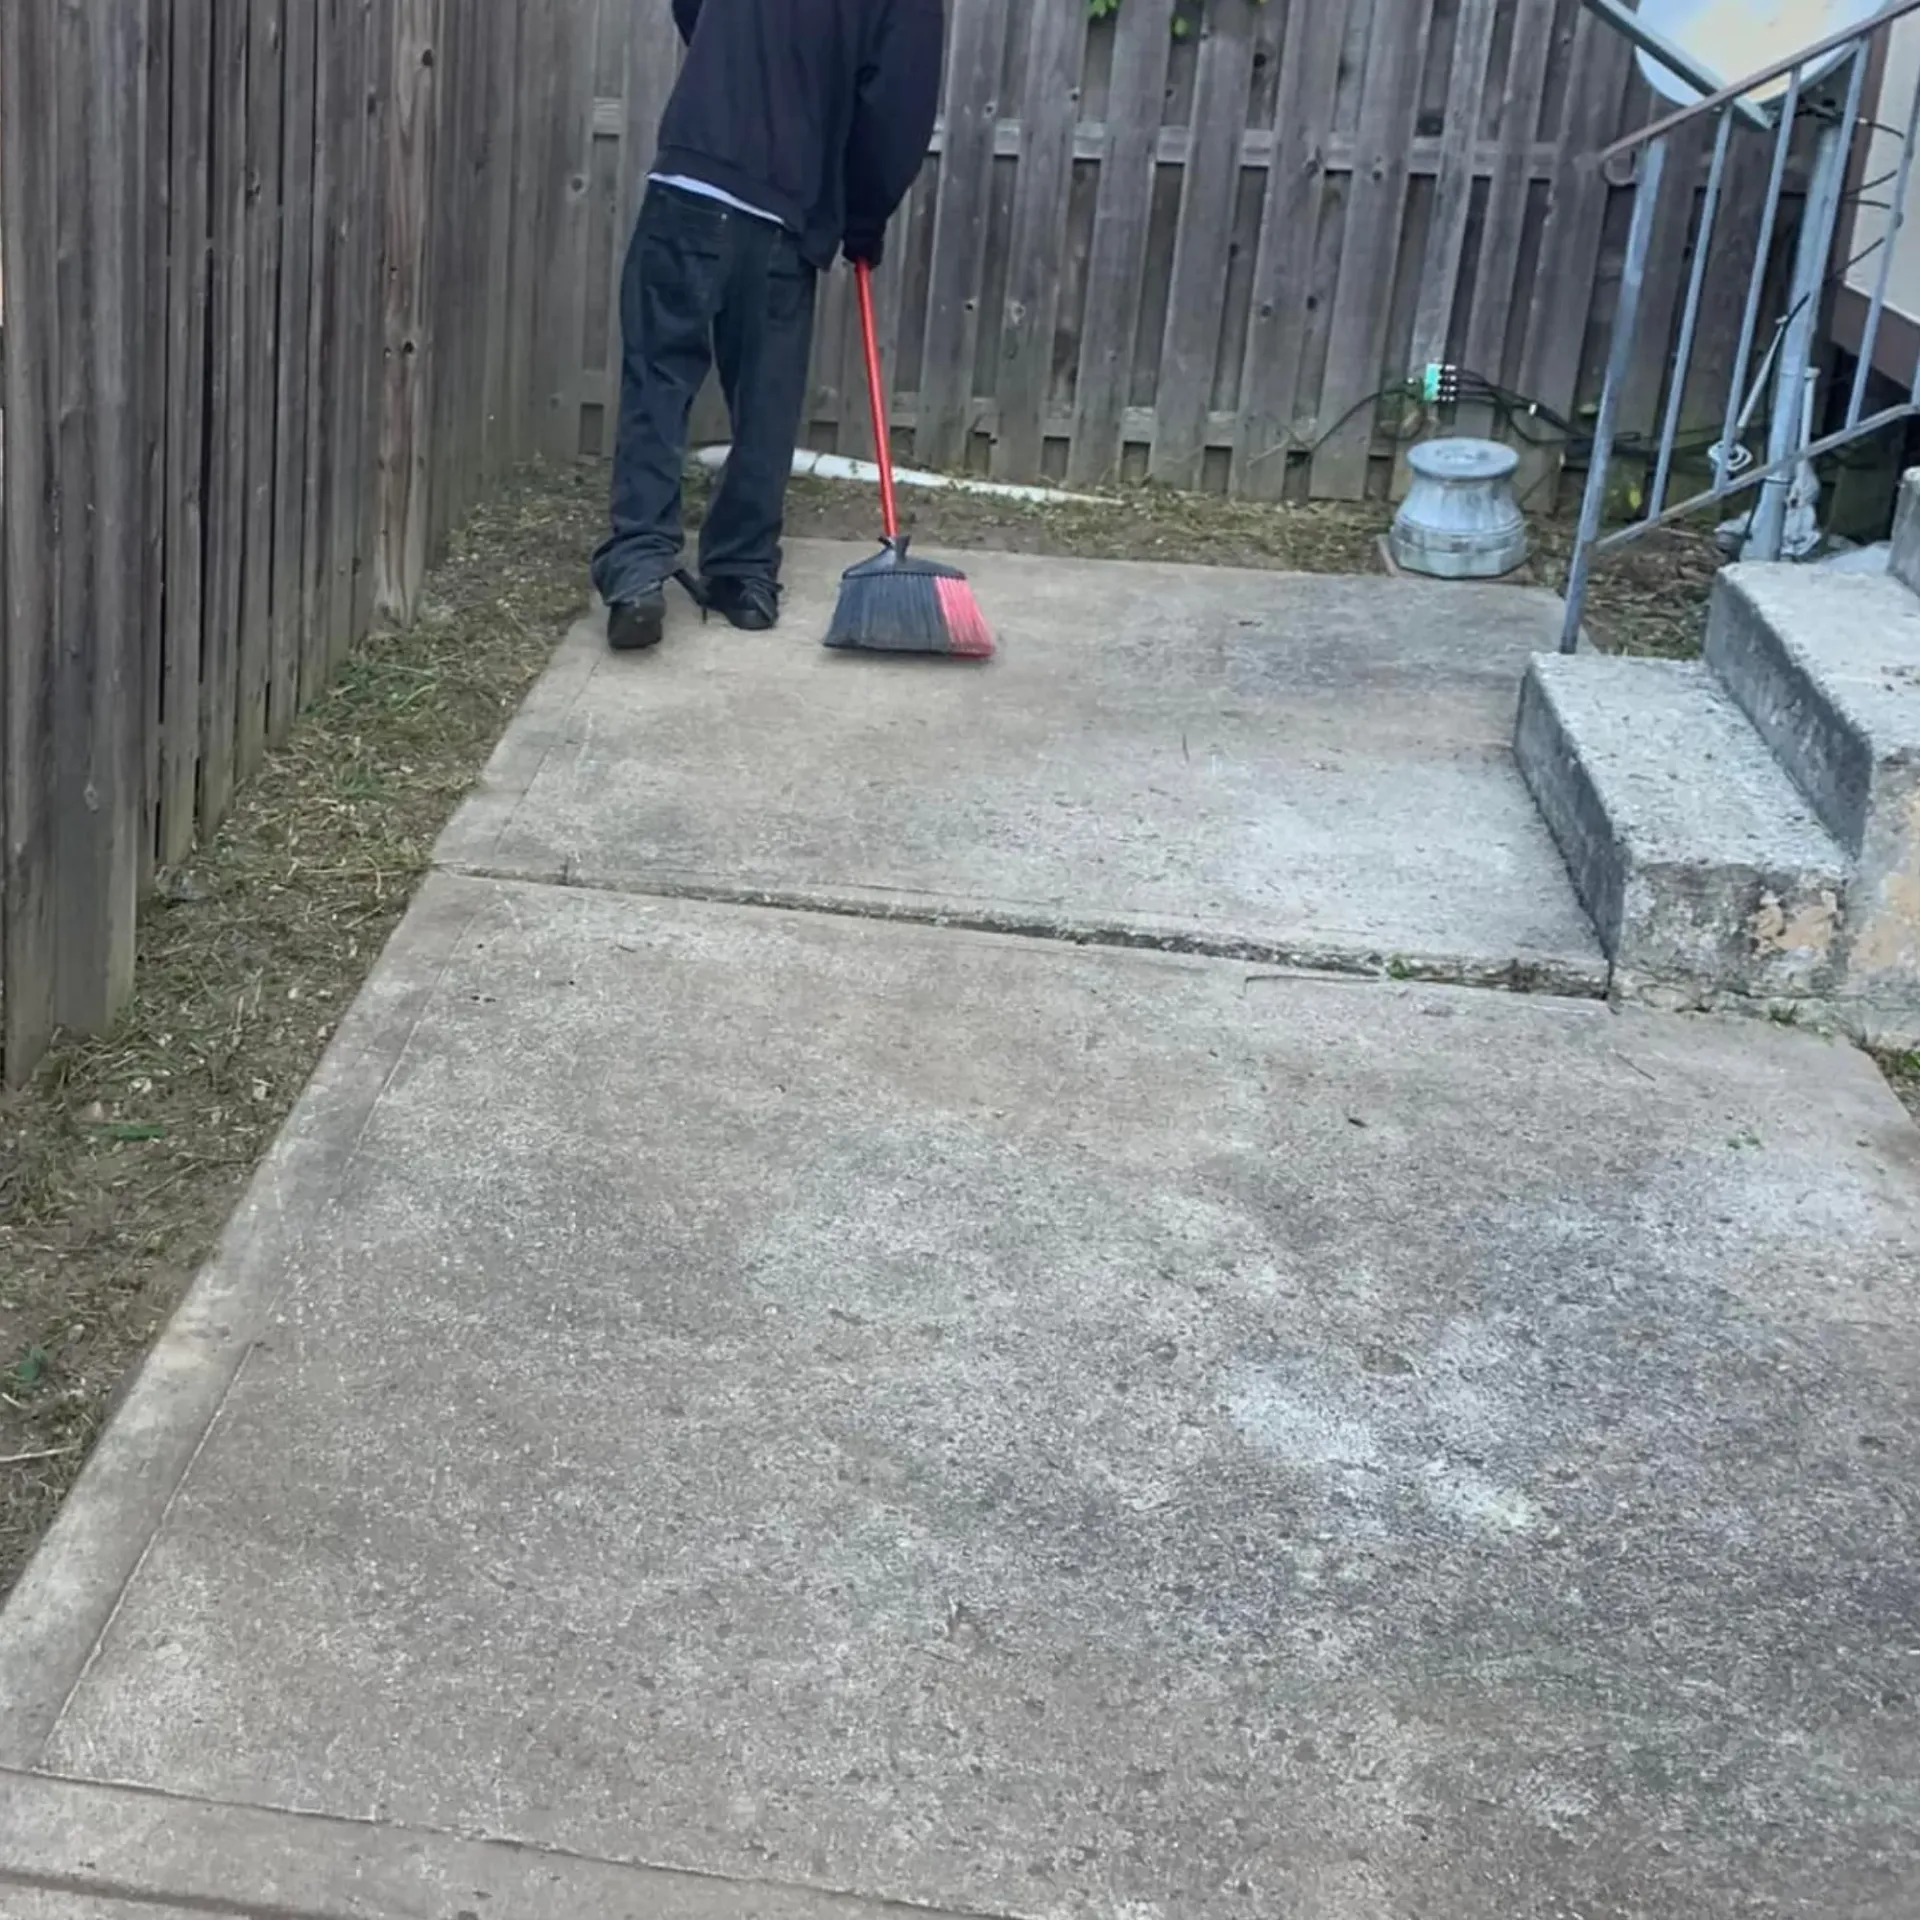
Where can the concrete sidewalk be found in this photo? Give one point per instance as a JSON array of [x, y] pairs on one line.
[[718, 1411], [1297, 769]]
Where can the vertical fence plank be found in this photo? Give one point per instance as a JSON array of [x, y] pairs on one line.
[[369, 311], [500, 123], [1645, 386], [533, 19], [99, 768], [561, 310], [409, 340], [1056, 53], [975, 57], [188, 295], [29, 110], [291, 399], [353, 217], [82, 888], [112, 654], [446, 468], [1563, 289], [322, 350], [262, 270], [226, 393], [1130, 150], [154, 218], [1376, 202], [1496, 284], [1202, 254], [1453, 187], [1273, 385]]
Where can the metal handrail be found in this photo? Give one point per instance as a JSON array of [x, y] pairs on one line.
[[1734, 94], [1780, 475], [1623, 17]]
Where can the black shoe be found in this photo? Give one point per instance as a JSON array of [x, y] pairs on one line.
[[751, 605], [637, 624]]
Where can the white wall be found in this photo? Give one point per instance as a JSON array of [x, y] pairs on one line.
[[1896, 102]]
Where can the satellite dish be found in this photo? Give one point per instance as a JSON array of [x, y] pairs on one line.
[[1734, 37]]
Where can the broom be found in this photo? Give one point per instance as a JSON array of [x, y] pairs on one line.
[[894, 603]]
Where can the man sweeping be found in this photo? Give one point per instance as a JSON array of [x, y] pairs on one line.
[[795, 131]]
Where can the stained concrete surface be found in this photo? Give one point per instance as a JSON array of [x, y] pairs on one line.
[[1298, 766], [172, 1856], [38, 1903], [1047, 1432]]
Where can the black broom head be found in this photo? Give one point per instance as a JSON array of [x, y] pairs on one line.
[[896, 604]]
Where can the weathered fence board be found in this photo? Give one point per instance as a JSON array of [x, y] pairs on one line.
[[1139, 254], [235, 300], [1055, 57], [99, 768], [1118, 243], [26, 758]]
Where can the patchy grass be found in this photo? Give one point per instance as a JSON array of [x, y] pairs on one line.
[[120, 1164], [1649, 599], [1903, 1075]]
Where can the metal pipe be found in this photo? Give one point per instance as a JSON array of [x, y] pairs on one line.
[[1678, 61], [1827, 443], [1819, 218], [1757, 280], [1690, 319], [1626, 324], [1736, 93]]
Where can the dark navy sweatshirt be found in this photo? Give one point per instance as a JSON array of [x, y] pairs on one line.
[[818, 111]]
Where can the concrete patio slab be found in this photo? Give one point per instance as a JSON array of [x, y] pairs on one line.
[[909, 1414], [170, 1857], [1293, 767]]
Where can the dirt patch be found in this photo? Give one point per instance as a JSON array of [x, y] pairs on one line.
[[121, 1162], [119, 1166], [1903, 1075], [1649, 599]]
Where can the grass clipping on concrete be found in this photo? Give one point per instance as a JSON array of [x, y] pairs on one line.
[[121, 1163]]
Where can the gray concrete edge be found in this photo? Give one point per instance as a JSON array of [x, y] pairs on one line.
[[471, 838], [62, 1604], [127, 1844], [1880, 1026], [1555, 975]]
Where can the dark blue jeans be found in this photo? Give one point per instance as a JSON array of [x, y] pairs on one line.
[[705, 286]]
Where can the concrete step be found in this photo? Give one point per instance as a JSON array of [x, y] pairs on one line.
[[1703, 867], [1903, 560], [1828, 670]]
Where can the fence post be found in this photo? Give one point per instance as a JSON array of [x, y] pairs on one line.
[[101, 770], [407, 402], [29, 961], [76, 81]]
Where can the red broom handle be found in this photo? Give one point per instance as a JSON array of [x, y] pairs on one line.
[[877, 398]]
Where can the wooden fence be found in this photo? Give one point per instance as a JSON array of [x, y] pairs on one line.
[[1196, 256], [273, 271]]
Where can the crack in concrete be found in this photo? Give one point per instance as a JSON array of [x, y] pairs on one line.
[[1552, 978]]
